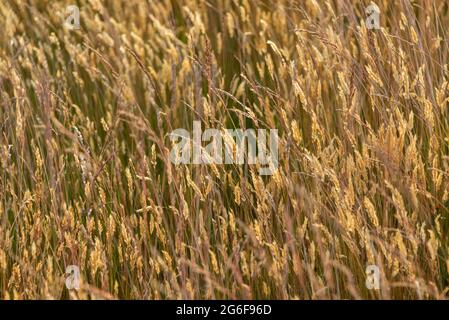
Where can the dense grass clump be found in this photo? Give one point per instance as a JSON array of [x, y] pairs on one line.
[[86, 178]]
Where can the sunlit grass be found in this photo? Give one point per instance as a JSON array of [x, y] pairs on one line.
[[86, 177]]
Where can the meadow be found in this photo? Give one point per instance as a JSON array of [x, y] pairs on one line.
[[363, 161]]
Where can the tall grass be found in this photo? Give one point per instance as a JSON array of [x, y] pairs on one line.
[[85, 175]]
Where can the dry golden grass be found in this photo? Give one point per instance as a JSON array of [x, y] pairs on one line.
[[85, 176]]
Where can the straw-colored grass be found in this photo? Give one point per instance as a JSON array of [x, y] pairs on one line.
[[86, 179]]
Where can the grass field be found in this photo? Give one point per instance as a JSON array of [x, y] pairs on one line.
[[85, 171]]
